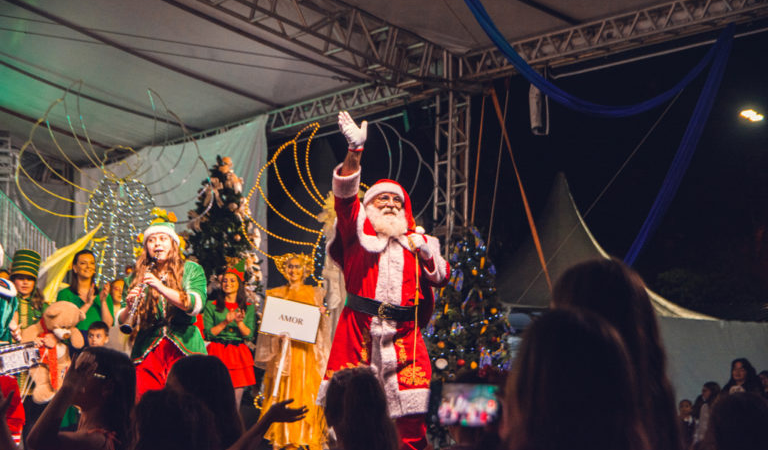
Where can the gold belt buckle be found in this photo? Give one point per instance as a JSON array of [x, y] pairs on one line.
[[383, 311]]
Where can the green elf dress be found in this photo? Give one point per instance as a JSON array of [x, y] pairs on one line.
[[169, 337]]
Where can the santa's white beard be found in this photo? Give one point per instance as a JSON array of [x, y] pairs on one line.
[[389, 225]]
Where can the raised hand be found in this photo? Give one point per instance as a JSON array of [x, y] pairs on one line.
[[355, 135], [280, 412], [80, 372]]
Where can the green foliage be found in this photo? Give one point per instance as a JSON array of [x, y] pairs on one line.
[[217, 223], [469, 329]]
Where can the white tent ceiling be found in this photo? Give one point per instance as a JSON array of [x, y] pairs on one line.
[[211, 67]]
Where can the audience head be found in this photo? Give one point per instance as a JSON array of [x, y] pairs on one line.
[[83, 266], [112, 392], [710, 391], [23, 274], [98, 334], [615, 292], [764, 379], [743, 378], [172, 420], [207, 379], [572, 386], [356, 408], [116, 289], [685, 408], [738, 422], [232, 282], [4, 273]]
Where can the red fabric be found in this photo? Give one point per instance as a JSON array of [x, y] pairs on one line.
[[200, 324], [412, 431], [15, 415], [374, 190], [152, 372], [239, 361], [50, 358], [404, 367]]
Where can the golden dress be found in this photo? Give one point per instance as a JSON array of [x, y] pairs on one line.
[[302, 374]]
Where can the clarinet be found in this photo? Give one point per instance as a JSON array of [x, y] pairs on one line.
[[127, 327]]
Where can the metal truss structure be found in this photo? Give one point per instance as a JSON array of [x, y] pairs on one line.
[[396, 65], [628, 31]]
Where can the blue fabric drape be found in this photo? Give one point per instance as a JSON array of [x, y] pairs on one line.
[[575, 103], [718, 55], [684, 152]]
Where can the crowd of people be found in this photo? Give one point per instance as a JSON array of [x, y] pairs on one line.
[[590, 373]]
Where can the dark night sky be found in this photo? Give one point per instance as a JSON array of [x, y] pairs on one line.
[[713, 230]]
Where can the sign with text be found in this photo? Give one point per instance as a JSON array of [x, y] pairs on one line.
[[299, 320]]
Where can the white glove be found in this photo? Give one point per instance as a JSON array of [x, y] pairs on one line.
[[355, 135], [425, 253]]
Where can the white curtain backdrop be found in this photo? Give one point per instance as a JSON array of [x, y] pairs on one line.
[[173, 174]]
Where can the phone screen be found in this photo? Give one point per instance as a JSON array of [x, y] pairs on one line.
[[468, 405]]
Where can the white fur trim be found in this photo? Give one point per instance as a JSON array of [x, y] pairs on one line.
[[440, 271], [371, 242], [153, 229], [198, 303], [345, 186], [389, 287], [7, 288], [380, 188]]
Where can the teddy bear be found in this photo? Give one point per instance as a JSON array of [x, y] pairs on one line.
[[58, 324]]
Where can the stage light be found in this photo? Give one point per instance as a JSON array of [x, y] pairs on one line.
[[751, 115]]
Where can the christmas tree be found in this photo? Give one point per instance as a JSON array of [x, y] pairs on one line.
[[222, 233], [469, 329]]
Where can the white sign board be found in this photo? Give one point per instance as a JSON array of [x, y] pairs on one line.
[[299, 320]]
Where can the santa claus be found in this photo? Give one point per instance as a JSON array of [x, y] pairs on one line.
[[389, 270]]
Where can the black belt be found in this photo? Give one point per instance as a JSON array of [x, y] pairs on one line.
[[380, 309]]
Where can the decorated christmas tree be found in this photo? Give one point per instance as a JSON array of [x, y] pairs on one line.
[[222, 232], [469, 329]]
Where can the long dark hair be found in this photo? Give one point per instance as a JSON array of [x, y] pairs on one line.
[[751, 382], [207, 378], [171, 420], [363, 422], [220, 297], [617, 293], [738, 421], [572, 386], [714, 392], [118, 400], [72, 275]]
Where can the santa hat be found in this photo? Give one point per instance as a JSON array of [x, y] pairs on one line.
[[161, 227], [392, 187]]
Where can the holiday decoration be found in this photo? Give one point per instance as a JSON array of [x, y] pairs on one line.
[[123, 207], [221, 231], [468, 330]]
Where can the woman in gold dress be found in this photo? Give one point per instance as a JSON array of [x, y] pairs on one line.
[[304, 363]]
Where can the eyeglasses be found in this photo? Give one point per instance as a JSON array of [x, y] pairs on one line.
[[385, 198]]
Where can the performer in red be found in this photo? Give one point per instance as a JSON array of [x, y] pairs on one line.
[[389, 270]]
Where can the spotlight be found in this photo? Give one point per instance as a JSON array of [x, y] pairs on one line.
[[751, 115]]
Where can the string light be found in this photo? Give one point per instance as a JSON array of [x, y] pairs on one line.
[[123, 207]]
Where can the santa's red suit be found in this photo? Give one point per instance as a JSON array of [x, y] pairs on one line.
[[385, 269]]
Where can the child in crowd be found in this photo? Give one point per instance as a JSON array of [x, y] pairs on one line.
[[687, 422], [117, 339], [102, 382], [98, 334]]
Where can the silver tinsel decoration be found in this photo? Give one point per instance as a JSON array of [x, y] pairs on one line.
[[124, 209]]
